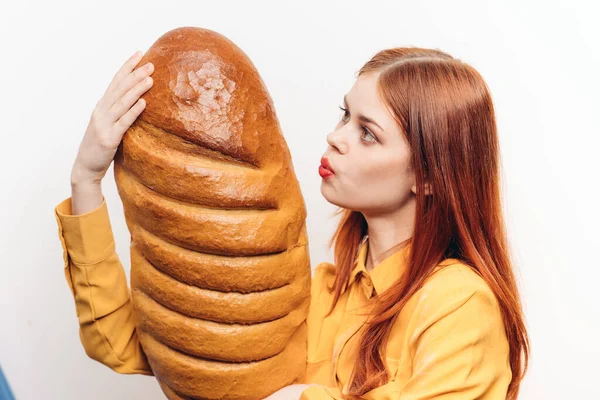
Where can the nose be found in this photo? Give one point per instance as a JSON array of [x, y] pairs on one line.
[[336, 140]]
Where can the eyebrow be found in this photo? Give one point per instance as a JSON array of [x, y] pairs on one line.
[[363, 117]]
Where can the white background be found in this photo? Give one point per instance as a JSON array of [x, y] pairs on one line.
[[540, 59]]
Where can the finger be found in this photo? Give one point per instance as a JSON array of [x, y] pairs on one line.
[[126, 68], [133, 79], [126, 101], [128, 118], [123, 72]]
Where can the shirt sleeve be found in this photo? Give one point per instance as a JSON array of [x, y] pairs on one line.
[[460, 351], [99, 287]]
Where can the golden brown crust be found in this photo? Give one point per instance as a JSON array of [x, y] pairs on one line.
[[207, 379], [207, 91], [220, 268]]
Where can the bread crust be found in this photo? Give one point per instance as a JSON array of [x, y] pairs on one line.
[[220, 267]]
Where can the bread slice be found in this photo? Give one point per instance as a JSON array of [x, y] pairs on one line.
[[220, 268]]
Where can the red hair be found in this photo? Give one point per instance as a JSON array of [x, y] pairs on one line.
[[445, 110]]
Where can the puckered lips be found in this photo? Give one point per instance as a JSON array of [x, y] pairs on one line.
[[325, 169]]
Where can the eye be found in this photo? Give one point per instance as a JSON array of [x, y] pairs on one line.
[[364, 129], [345, 112]]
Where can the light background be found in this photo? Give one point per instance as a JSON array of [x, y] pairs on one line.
[[540, 59]]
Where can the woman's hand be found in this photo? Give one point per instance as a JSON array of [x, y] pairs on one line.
[[291, 392], [114, 113]]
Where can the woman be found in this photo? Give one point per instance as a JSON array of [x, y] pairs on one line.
[[421, 302]]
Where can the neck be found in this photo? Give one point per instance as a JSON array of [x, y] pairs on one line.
[[388, 233]]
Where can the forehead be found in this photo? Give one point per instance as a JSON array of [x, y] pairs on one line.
[[364, 99]]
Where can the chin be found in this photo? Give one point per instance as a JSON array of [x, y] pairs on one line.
[[326, 192], [332, 197]]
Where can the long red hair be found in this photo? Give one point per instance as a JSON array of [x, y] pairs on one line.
[[445, 110]]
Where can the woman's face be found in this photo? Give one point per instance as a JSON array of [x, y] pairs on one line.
[[370, 160]]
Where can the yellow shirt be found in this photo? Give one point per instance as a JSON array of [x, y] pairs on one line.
[[447, 343], [99, 286]]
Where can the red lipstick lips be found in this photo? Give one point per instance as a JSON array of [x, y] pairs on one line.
[[325, 169]]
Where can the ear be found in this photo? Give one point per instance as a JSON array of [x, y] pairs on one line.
[[428, 190]]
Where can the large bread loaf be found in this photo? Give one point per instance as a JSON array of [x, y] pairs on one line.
[[220, 270]]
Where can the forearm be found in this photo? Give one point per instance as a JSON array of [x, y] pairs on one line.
[[106, 318], [99, 286], [85, 197]]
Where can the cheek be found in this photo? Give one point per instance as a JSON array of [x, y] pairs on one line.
[[385, 178], [366, 185], [366, 179], [379, 170]]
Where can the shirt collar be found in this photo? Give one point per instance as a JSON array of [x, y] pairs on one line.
[[384, 274]]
